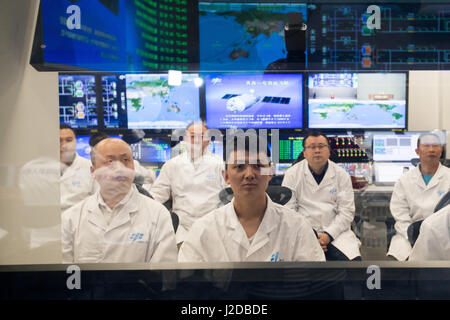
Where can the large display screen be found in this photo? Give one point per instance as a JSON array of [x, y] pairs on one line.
[[357, 100], [243, 36], [154, 104], [77, 101], [412, 35], [254, 100], [117, 35]]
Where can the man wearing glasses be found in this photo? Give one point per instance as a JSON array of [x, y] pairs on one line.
[[192, 180], [323, 193], [417, 193]]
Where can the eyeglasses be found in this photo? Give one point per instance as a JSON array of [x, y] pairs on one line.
[[319, 146]]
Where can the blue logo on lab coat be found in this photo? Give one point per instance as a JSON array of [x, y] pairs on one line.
[[440, 192], [136, 236], [76, 183], [275, 257]]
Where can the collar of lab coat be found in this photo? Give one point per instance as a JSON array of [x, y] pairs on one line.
[[75, 164], [435, 180], [130, 205], [269, 222], [327, 179]]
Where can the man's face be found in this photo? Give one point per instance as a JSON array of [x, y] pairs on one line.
[[114, 167], [430, 149], [67, 145], [316, 151], [249, 178], [196, 139]]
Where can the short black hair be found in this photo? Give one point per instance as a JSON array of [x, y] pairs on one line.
[[66, 126], [235, 145], [314, 133], [97, 137]]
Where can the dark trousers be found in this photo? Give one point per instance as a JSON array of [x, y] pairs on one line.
[[334, 254]]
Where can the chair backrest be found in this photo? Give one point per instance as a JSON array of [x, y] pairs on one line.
[[278, 194], [413, 231], [414, 228], [443, 202]]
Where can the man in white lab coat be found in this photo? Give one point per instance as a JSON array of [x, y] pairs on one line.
[[76, 182], [322, 192], [193, 180], [433, 242], [417, 193], [117, 224], [251, 227]]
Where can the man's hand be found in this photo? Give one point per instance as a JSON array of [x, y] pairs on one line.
[[324, 240]]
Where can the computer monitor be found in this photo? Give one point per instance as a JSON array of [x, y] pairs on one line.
[[254, 101], [153, 103], [398, 147], [290, 146], [243, 35], [114, 101], [83, 148], [357, 100], [77, 100], [387, 173], [152, 149], [394, 147]]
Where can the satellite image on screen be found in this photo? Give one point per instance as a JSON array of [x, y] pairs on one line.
[[254, 100], [254, 35], [154, 104], [357, 100]]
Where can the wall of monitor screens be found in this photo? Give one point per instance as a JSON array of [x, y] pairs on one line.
[[154, 36], [326, 101]]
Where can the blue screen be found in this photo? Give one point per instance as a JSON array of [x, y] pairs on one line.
[[78, 101], [117, 35], [83, 148], [243, 36], [357, 100], [254, 101], [153, 150], [154, 104]]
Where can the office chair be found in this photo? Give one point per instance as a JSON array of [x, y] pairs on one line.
[[414, 228], [277, 194]]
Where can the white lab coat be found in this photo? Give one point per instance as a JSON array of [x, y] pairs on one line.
[[283, 235], [141, 232], [76, 183], [328, 207], [193, 186], [412, 201], [433, 242]]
